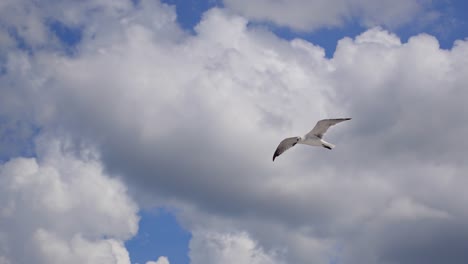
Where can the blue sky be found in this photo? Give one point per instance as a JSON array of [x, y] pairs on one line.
[[113, 121], [159, 235]]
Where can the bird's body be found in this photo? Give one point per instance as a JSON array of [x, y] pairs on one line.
[[313, 138], [315, 141]]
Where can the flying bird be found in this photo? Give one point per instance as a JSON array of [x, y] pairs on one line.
[[313, 138]]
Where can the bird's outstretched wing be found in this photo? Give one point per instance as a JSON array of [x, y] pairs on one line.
[[322, 126], [285, 145]]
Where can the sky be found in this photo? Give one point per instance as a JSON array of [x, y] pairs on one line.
[[142, 131]]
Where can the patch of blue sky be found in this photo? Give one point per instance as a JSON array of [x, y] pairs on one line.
[[16, 138], [69, 36], [450, 25], [159, 235], [190, 12], [455, 23]]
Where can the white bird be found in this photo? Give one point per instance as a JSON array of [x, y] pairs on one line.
[[313, 138]]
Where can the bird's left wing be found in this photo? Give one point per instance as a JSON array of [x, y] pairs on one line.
[[322, 126], [285, 145]]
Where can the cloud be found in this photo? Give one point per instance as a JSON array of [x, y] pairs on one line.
[[191, 121], [58, 208], [209, 247], [309, 15], [161, 260], [79, 250], [29, 23]]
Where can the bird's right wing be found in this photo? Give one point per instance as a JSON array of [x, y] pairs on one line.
[[285, 145], [322, 126]]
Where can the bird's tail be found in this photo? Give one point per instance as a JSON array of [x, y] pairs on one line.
[[327, 145]]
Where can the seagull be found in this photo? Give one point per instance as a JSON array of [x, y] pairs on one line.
[[313, 138]]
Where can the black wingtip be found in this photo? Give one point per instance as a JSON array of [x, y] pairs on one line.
[[275, 155]]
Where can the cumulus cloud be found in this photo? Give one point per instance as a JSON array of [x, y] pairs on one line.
[[192, 121], [210, 247], [309, 15], [57, 208], [161, 260]]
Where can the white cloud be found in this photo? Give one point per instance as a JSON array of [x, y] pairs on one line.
[[59, 208], [161, 260], [79, 250], [309, 15], [193, 121], [230, 248]]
